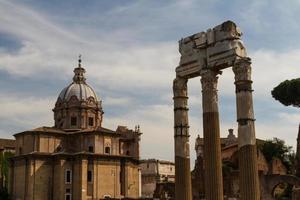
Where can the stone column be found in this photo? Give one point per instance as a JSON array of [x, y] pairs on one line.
[[183, 189], [249, 182], [211, 132]]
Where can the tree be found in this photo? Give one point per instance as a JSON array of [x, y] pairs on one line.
[[288, 92], [277, 148], [4, 167]]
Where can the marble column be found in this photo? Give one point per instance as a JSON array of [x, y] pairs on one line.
[[249, 182], [211, 133], [183, 189]]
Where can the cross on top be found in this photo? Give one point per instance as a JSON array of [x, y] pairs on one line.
[[79, 60]]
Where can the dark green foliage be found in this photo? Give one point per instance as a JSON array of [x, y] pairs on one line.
[[4, 166], [4, 195], [288, 92], [228, 167], [287, 192], [277, 148]]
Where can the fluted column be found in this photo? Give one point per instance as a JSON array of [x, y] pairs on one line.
[[211, 133], [183, 189], [249, 182]]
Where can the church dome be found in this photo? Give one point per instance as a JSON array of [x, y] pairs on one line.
[[80, 90], [77, 106]]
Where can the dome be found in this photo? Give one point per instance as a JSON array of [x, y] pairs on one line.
[[78, 87], [81, 90], [77, 106]]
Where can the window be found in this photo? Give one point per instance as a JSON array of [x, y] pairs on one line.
[[127, 153], [20, 150], [90, 176], [91, 121], [107, 150], [68, 197], [61, 124], [73, 121], [68, 194], [68, 176], [91, 149]]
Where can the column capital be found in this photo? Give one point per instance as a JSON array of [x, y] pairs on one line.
[[242, 70], [209, 79], [180, 87], [209, 82]]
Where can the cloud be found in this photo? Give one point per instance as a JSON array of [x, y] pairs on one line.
[[19, 113], [130, 52]]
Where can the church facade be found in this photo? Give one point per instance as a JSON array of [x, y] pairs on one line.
[[77, 158]]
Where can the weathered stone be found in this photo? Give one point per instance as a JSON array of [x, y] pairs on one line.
[[183, 190], [205, 54]]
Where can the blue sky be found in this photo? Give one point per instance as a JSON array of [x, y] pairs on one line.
[[130, 51]]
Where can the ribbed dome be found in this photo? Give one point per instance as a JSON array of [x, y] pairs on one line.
[[78, 87], [82, 112], [81, 90]]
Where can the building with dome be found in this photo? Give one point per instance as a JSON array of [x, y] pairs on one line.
[[77, 158]]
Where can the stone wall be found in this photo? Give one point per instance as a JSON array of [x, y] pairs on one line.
[[45, 179], [153, 172]]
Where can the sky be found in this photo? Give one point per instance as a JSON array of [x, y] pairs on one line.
[[130, 51]]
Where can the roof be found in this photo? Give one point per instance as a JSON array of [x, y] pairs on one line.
[[81, 90], [200, 141], [54, 130], [152, 160], [7, 143], [78, 87]]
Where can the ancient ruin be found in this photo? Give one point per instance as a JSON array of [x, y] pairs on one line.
[[206, 54], [273, 174]]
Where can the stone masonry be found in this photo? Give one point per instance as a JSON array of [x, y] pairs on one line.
[[206, 54]]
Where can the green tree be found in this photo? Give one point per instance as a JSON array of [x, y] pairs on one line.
[[4, 194], [4, 167], [288, 92], [277, 148]]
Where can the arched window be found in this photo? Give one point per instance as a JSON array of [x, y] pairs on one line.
[[107, 150]]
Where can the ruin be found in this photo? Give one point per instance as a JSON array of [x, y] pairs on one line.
[[206, 54]]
